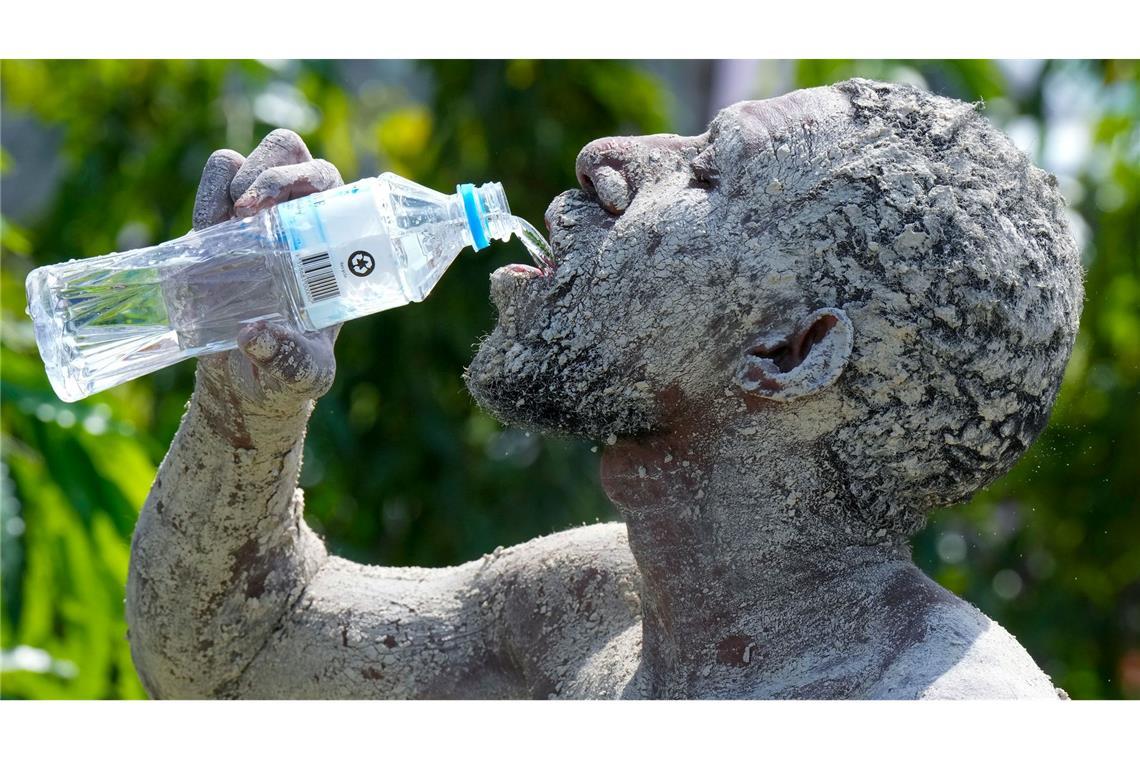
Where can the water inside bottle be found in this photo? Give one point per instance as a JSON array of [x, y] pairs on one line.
[[112, 321], [101, 321]]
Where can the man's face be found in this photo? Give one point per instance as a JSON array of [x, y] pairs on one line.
[[668, 261]]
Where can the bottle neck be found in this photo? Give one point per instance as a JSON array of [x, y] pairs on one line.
[[486, 213]]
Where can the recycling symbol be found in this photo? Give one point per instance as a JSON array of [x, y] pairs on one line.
[[361, 263]]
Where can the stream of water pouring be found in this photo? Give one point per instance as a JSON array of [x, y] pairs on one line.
[[535, 244]]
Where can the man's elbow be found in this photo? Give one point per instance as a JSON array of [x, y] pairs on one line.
[[195, 625], [172, 661]]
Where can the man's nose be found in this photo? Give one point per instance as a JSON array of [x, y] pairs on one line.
[[612, 169]]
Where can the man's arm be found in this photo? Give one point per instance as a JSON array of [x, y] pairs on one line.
[[221, 556], [513, 624], [220, 550], [379, 632], [230, 593]]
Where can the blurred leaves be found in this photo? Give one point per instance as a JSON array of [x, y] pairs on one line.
[[400, 467]]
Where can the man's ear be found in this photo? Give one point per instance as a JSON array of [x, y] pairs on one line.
[[809, 359]]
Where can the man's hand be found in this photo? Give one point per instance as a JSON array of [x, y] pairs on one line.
[[275, 368]]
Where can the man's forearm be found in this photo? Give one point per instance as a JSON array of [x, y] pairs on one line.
[[221, 550]]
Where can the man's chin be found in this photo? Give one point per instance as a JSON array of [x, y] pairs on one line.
[[521, 390], [512, 394]]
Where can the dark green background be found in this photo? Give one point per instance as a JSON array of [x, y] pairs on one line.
[[400, 467]]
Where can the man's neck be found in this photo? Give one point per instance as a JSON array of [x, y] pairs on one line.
[[738, 551]]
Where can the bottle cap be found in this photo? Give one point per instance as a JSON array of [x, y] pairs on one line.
[[476, 216]]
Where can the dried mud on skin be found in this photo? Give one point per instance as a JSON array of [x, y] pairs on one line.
[[764, 551]]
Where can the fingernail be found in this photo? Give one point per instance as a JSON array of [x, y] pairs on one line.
[[261, 346]]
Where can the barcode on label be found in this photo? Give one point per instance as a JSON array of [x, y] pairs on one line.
[[320, 281]]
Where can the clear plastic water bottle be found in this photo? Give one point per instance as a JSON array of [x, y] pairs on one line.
[[309, 263]]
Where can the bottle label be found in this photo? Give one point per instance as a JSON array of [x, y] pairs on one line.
[[343, 257]]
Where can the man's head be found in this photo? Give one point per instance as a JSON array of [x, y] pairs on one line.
[[864, 271]]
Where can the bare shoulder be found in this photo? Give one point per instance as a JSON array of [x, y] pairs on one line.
[[566, 573], [601, 547], [993, 666], [963, 654], [563, 599]]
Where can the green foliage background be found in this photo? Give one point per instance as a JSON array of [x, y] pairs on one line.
[[400, 467]]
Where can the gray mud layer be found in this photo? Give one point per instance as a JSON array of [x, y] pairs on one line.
[[797, 334]]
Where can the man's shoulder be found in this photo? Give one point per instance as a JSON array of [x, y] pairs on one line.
[[963, 654], [994, 665], [558, 600], [595, 534], [588, 553], [583, 575]]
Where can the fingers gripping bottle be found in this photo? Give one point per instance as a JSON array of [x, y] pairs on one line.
[[309, 263]]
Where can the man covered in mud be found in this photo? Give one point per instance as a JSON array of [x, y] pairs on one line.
[[796, 334]]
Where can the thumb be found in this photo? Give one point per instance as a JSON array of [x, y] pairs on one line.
[[289, 362], [259, 342]]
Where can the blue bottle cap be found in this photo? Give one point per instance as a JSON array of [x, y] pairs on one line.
[[474, 218]]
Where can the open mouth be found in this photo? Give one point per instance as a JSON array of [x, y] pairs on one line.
[[510, 282], [561, 216]]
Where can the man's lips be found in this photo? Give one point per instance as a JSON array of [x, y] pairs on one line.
[[519, 270], [507, 281]]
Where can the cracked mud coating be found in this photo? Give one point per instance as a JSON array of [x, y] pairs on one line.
[[948, 250], [797, 334]]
